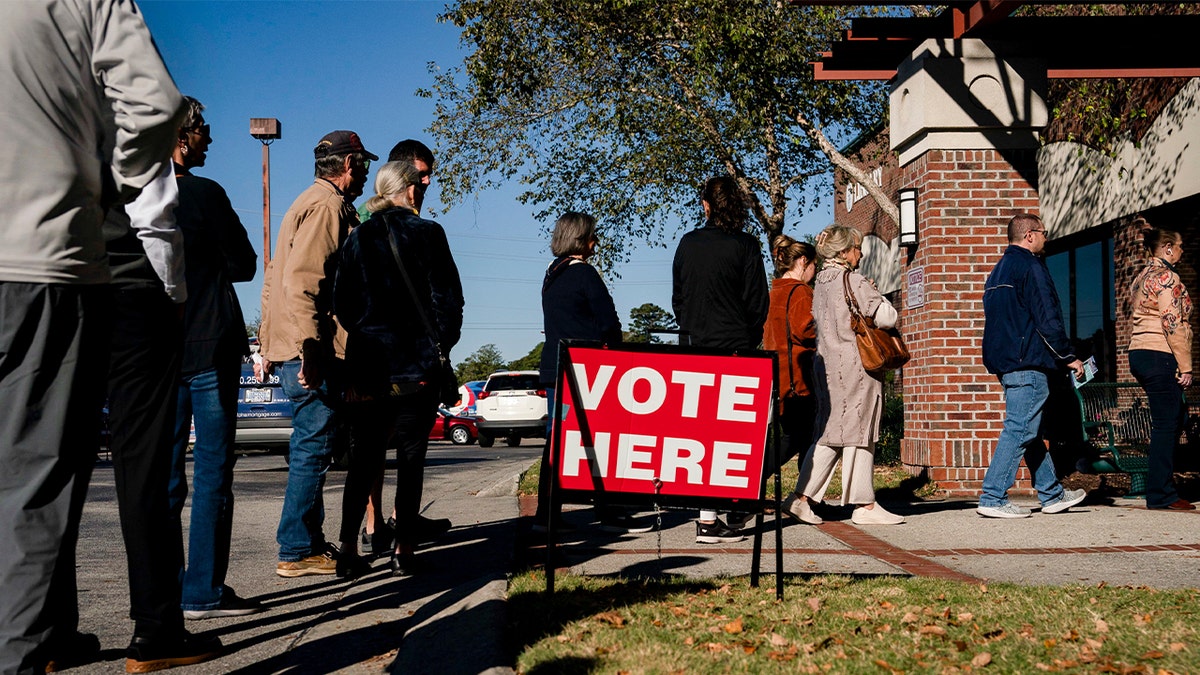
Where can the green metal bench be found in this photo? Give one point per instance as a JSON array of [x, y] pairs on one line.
[[1116, 419]]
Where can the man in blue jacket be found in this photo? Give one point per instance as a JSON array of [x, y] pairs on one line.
[[1025, 344]]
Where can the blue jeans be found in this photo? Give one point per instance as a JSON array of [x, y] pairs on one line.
[[210, 398], [1155, 371], [314, 425], [1025, 394]]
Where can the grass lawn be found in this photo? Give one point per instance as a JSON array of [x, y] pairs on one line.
[[838, 624]]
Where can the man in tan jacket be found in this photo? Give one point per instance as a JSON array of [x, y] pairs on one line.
[[301, 337]]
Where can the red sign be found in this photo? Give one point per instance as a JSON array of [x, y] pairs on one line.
[[696, 423]]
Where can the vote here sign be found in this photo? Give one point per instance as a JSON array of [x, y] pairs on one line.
[[697, 423]]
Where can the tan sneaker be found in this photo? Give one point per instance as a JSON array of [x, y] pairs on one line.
[[801, 510], [313, 564], [876, 515]]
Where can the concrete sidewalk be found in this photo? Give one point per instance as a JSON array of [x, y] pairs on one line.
[[452, 618]]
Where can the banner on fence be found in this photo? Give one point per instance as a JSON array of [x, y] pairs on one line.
[[663, 422]]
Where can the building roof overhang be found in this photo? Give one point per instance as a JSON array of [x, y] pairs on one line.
[[1125, 46]]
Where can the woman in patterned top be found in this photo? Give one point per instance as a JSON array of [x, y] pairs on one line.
[[1160, 357]]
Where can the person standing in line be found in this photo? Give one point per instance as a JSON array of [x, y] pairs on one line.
[[849, 400], [88, 113], [1024, 344], [217, 254], [791, 332], [378, 535], [1160, 357], [576, 305], [396, 274], [719, 294], [300, 335]]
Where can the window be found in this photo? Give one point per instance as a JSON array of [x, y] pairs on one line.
[[1082, 269]]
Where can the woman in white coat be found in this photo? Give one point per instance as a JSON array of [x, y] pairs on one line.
[[850, 401]]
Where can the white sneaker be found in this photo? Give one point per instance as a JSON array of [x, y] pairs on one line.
[[1005, 510], [874, 516], [1068, 499], [801, 510]]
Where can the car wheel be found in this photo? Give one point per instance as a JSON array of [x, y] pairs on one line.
[[460, 435], [486, 441], [513, 441]]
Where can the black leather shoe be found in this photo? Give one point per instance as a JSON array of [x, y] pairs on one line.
[[431, 529], [352, 567], [403, 565], [75, 649], [148, 654]]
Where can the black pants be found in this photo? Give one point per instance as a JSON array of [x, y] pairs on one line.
[[1155, 371], [53, 339], [142, 390], [406, 420]]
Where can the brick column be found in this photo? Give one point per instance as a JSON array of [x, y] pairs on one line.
[[953, 408]]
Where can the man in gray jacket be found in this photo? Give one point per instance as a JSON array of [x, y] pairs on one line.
[[88, 107]]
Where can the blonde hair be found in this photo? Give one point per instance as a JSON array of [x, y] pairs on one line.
[[835, 240], [392, 181]]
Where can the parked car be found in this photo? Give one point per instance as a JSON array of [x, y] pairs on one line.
[[450, 427], [470, 394], [264, 416], [512, 405]]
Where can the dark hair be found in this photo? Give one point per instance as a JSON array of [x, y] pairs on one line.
[[410, 149], [727, 208], [1154, 238], [785, 251], [1020, 225], [572, 234], [330, 166]]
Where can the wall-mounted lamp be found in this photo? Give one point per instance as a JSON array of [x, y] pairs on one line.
[[908, 217]]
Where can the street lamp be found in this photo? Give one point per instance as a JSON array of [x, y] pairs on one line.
[[266, 130]]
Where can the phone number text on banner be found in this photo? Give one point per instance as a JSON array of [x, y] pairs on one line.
[[696, 423]]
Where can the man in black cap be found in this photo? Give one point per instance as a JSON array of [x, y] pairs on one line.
[[301, 337]]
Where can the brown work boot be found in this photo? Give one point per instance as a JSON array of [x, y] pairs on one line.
[[313, 564]]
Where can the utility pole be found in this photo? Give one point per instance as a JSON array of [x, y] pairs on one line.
[[266, 130]]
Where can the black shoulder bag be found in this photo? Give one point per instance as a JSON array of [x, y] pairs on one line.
[[448, 382]]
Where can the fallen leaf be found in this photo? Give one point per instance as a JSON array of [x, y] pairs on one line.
[[886, 605], [1049, 643], [610, 618], [960, 645], [909, 618], [724, 589], [1102, 584], [1026, 631], [1094, 644], [883, 664], [562, 638], [983, 588], [657, 623], [965, 616], [946, 613], [688, 641], [857, 616], [1093, 601], [778, 640], [679, 611], [1142, 619], [734, 627], [1072, 635], [814, 604], [1177, 646], [981, 659], [1042, 666], [1101, 626], [1151, 655], [749, 648], [931, 629], [715, 647]]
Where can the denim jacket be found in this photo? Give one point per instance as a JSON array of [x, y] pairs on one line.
[[387, 340], [1023, 328]]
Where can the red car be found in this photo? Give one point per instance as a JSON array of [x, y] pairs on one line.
[[450, 427]]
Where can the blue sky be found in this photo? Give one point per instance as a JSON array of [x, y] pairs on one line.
[[321, 66]]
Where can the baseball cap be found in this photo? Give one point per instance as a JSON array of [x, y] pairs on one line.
[[341, 143]]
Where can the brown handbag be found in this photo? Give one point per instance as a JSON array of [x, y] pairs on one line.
[[881, 349]]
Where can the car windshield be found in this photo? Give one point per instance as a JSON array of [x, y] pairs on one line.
[[512, 382]]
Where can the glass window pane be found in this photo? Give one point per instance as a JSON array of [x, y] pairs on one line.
[[1060, 272]]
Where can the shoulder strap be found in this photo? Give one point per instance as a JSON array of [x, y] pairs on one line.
[[412, 290], [787, 322], [851, 301]]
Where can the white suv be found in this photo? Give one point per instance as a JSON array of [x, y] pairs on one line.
[[512, 405]]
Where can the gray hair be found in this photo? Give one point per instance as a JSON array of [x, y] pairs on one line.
[[572, 233], [192, 116], [331, 166], [393, 180], [835, 240]]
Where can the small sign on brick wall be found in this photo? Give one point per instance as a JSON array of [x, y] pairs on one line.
[[914, 296]]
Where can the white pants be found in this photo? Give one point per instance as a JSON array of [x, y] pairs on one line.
[[858, 466]]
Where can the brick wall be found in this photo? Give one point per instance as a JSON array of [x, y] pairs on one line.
[[954, 408]]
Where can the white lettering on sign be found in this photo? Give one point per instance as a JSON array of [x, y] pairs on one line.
[[591, 393], [685, 454], [628, 456], [724, 462], [692, 382], [654, 401], [574, 453], [731, 397]]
